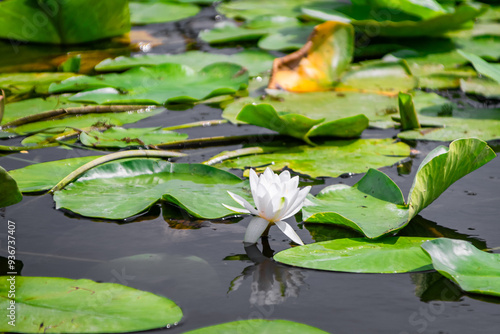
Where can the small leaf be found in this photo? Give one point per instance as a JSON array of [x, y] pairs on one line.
[[10, 193], [358, 255], [62, 305], [258, 326], [473, 270], [120, 137], [490, 70], [409, 118]]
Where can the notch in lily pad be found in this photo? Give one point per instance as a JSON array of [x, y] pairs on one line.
[[300, 126], [375, 206]]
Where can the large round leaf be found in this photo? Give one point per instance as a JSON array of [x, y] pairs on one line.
[[473, 270], [158, 11], [157, 84], [259, 326], [61, 305], [120, 137], [332, 158], [10, 193], [122, 189], [358, 255]]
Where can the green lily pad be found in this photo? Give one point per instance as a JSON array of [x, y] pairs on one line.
[[258, 326], [255, 61], [400, 24], [375, 205], [286, 39], [227, 31], [165, 83], [481, 86], [62, 305], [87, 120], [45, 175], [158, 11], [424, 9], [447, 123], [331, 106], [120, 137], [302, 127], [473, 270], [332, 158], [63, 22], [119, 190], [483, 67], [23, 83], [358, 255], [10, 192], [30, 107]]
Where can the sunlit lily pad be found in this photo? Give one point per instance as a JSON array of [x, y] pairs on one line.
[[120, 137], [302, 127], [285, 39], [119, 190], [472, 269], [62, 305], [375, 205], [481, 86], [332, 106], [258, 326], [157, 11], [63, 22], [255, 61], [159, 84], [10, 193], [332, 158], [483, 67], [358, 255]]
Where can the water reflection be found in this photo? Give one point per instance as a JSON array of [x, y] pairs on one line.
[[272, 283]]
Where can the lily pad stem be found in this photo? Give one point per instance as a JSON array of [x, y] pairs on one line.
[[197, 124], [110, 157]]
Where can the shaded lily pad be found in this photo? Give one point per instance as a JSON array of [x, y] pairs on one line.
[[157, 11], [165, 83], [358, 255], [379, 108], [473, 270], [45, 175], [255, 61], [120, 137], [63, 305], [302, 127], [23, 83], [375, 205], [119, 190], [63, 22], [258, 326], [285, 39], [10, 193], [332, 158]]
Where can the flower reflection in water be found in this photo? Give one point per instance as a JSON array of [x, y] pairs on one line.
[[272, 283]]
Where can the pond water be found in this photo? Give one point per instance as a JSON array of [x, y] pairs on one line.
[[204, 267]]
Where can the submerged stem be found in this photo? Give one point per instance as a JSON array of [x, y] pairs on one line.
[[110, 157]]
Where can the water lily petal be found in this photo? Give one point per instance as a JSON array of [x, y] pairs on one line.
[[299, 202], [285, 176], [254, 182], [267, 177], [255, 228], [243, 202], [279, 207], [289, 232], [238, 210]]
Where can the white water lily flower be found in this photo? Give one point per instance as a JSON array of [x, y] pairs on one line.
[[277, 197]]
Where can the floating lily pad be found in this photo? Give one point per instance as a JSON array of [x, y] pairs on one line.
[[483, 67], [158, 11], [120, 137], [286, 39], [159, 84], [379, 108], [23, 83], [375, 205], [332, 158], [255, 61], [302, 127], [258, 326], [473, 270], [358, 255], [63, 22], [119, 190], [447, 122], [10, 193], [399, 23], [481, 86], [62, 305], [45, 175]]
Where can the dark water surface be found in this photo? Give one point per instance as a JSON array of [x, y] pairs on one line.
[[214, 279]]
